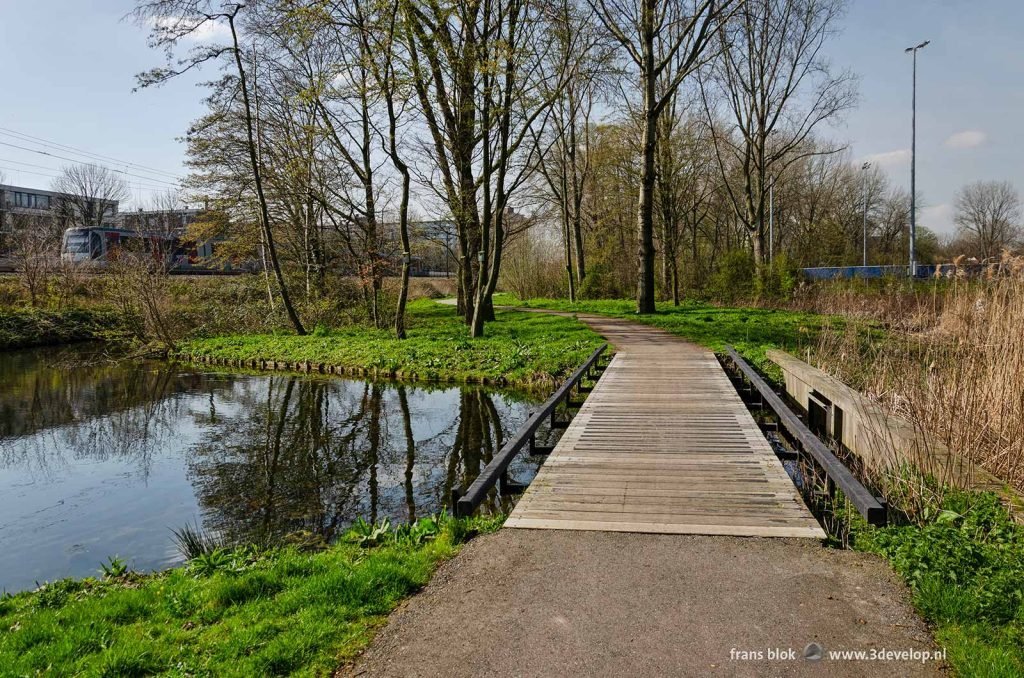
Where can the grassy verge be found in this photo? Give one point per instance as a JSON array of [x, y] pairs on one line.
[[750, 330], [964, 562], [229, 612], [26, 327], [521, 349]]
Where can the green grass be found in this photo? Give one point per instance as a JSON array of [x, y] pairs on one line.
[[26, 327], [521, 349], [233, 613], [965, 566], [750, 330]]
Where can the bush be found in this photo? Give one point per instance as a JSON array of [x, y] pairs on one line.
[[23, 328], [602, 282], [778, 279], [734, 278]]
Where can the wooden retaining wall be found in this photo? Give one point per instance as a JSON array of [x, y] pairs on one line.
[[878, 438]]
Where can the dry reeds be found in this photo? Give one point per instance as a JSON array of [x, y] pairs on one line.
[[955, 370]]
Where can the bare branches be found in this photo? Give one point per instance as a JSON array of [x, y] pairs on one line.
[[989, 214], [89, 194], [774, 87]]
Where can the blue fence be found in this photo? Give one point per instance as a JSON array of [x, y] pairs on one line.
[[847, 272]]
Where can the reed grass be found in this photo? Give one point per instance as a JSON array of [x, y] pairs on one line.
[[956, 371]]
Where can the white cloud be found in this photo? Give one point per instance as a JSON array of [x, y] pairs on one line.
[[938, 218], [890, 159], [208, 31], [969, 138]]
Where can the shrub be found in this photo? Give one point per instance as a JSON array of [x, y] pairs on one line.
[[734, 278], [777, 279]]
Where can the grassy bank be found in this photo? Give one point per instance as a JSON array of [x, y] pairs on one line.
[[521, 349], [235, 612], [964, 563], [750, 330], [27, 327]]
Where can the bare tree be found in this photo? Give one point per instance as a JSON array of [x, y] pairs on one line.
[[382, 41], [666, 40], [989, 213], [172, 21], [564, 154], [35, 248], [89, 194], [477, 68], [775, 88]]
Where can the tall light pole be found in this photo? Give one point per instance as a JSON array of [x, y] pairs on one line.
[[913, 158], [771, 219], [864, 168]]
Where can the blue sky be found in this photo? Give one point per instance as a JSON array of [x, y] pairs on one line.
[[68, 70]]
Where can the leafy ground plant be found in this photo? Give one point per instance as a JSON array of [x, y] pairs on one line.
[[229, 612], [964, 563], [520, 349]]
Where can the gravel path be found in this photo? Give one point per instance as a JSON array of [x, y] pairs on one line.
[[564, 603]]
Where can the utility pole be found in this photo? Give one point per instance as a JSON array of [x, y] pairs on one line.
[[913, 158], [864, 168], [771, 220]]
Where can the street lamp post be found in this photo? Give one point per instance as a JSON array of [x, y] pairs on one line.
[[771, 220], [913, 158], [864, 168]]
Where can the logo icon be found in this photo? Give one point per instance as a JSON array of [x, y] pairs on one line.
[[813, 652]]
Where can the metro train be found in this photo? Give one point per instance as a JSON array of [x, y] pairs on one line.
[[98, 247]]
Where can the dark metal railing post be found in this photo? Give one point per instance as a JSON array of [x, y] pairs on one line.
[[836, 474], [464, 503]]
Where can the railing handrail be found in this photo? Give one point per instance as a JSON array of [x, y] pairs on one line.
[[467, 502], [865, 502]]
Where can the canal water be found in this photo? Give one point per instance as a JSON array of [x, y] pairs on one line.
[[101, 458]]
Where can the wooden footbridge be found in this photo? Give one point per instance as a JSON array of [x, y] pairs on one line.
[[663, 444]]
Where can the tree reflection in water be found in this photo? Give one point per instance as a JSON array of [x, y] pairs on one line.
[[315, 454], [101, 458]]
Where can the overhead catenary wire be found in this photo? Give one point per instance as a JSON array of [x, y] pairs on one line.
[[78, 151], [54, 173], [175, 184]]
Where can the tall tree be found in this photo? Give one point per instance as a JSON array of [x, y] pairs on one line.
[[172, 21], [666, 40], [477, 67], [989, 214], [774, 88], [564, 153]]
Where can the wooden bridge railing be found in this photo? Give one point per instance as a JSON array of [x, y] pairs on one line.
[[836, 472], [465, 503]]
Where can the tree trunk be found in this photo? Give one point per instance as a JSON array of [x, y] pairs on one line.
[[645, 217], [258, 180], [568, 248], [577, 234], [645, 211]]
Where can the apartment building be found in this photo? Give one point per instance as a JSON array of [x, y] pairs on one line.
[[20, 205]]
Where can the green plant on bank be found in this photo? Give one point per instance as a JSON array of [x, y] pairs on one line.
[[963, 559], [522, 349], [241, 611], [114, 568], [192, 542]]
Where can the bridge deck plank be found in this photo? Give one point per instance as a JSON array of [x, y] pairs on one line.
[[663, 444]]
